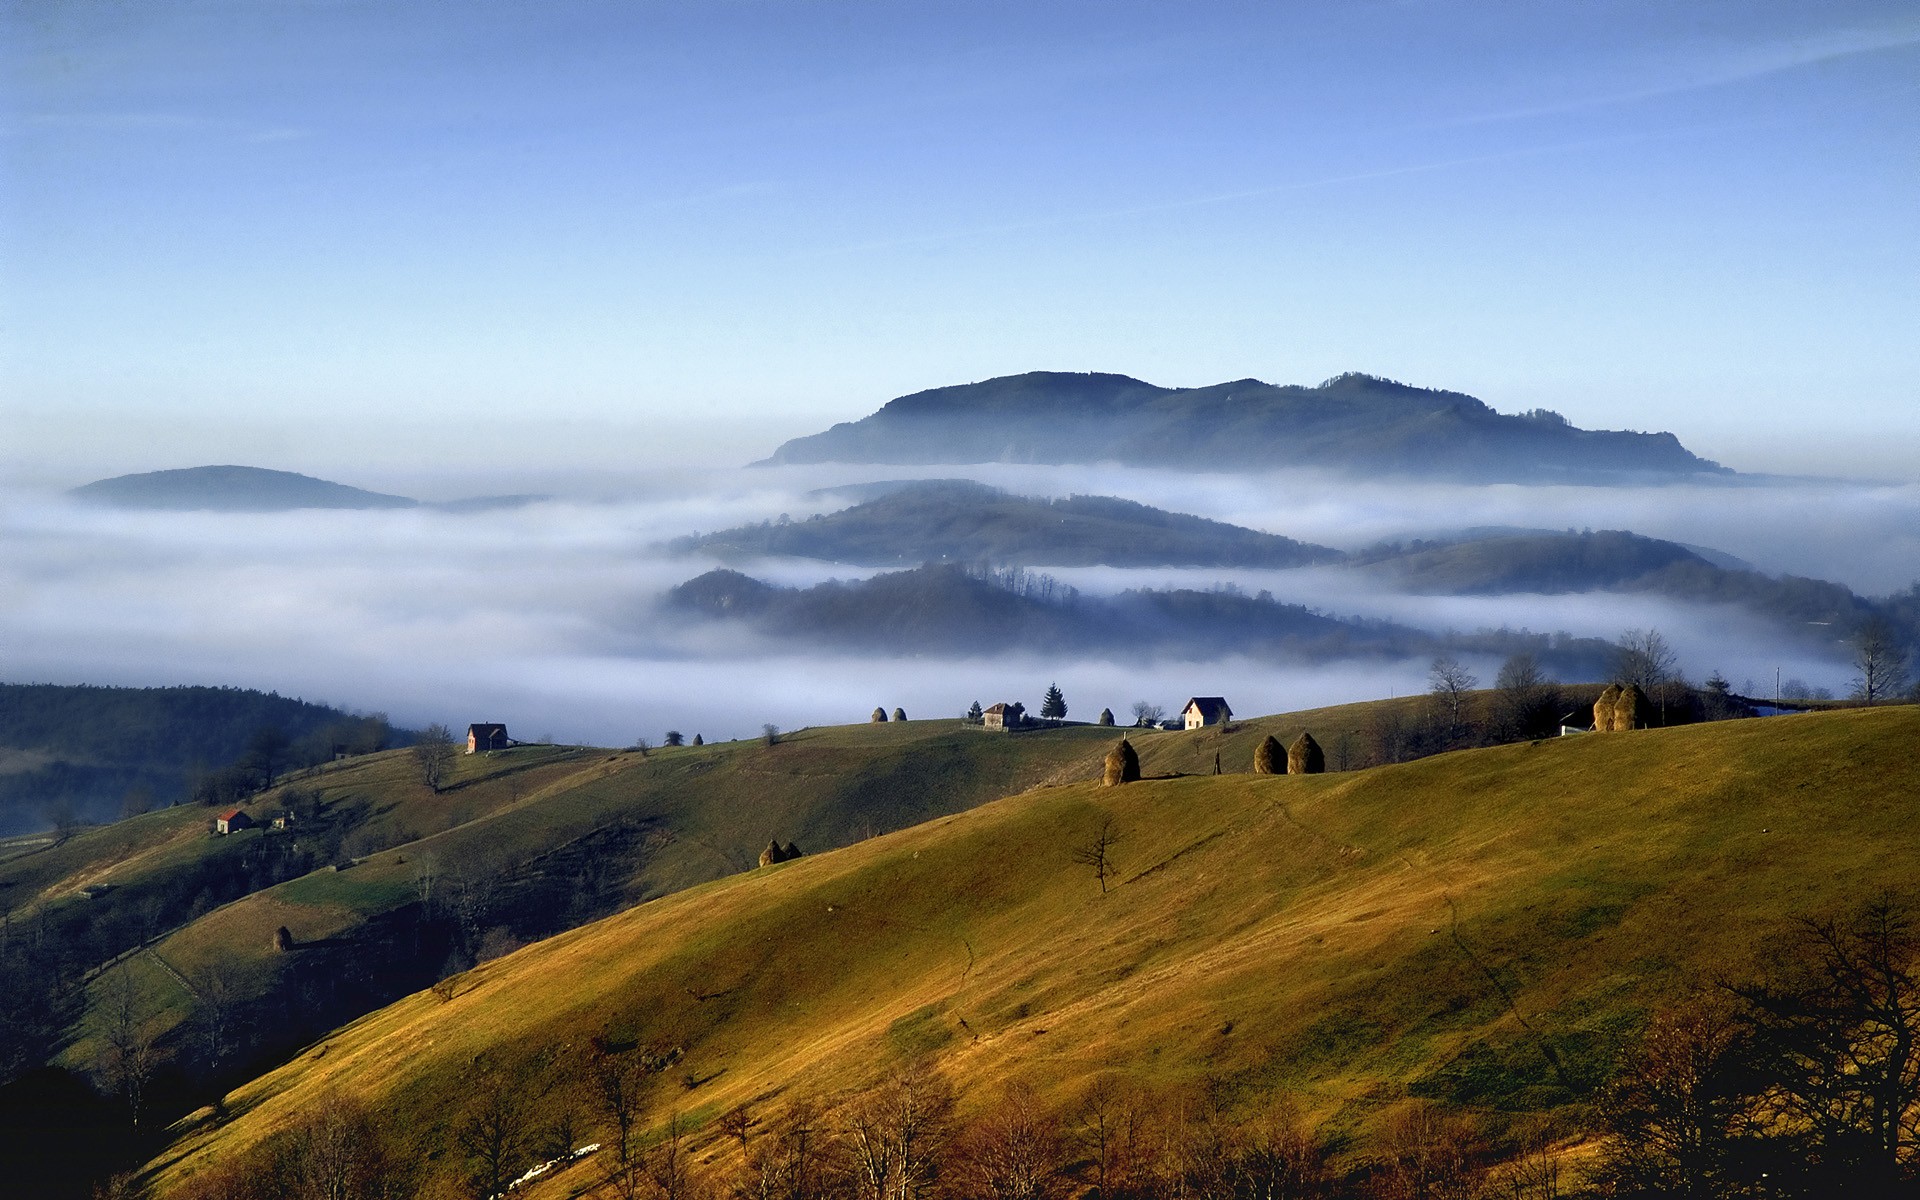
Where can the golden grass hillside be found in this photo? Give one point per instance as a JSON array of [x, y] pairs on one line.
[[1480, 927], [699, 813]]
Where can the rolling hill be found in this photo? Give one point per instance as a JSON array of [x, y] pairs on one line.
[[949, 609], [1353, 422], [1619, 561], [258, 490], [1481, 930], [231, 489], [385, 886], [957, 520]]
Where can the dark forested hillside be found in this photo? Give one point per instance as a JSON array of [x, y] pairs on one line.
[[957, 520], [96, 753], [1352, 422], [947, 609]]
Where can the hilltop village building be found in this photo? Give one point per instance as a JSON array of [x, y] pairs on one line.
[[1005, 716], [1202, 711], [232, 821], [486, 737]]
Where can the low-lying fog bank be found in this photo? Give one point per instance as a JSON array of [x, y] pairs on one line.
[[543, 616]]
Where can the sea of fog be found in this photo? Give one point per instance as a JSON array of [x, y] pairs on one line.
[[544, 616]]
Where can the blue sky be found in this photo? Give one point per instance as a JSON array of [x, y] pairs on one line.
[[435, 236]]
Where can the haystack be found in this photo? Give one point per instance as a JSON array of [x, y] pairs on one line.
[[1629, 708], [1305, 757], [1106, 717], [1603, 708], [774, 853], [899, 714], [1123, 765], [1269, 757], [790, 851], [879, 717], [283, 939]]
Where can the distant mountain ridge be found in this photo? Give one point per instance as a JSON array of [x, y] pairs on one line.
[[1352, 422], [958, 520], [229, 488]]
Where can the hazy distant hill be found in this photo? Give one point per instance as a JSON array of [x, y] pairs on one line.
[[947, 609], [232, 489], [1618, 561], [957, 520], [1353, 422], [256, 489]]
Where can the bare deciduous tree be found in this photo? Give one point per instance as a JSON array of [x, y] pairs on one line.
[[1644, 658], [1836, 1019], [1675, 1111], [1448, 682], [494, 1137], [895, 1137], [1879, 662], [1015, 1153], [1097, 852], [434, 753], [132, 1053], [1147, 715]]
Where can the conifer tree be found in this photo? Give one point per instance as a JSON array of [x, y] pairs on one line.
[[1054, 705]]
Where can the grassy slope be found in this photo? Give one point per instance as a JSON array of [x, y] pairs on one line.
[[1295, 931], [715, 807]]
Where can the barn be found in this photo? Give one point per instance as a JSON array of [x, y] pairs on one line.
[[232, 821]]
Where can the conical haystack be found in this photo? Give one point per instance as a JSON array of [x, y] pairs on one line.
[[1603, 708], [1106, 717], [1269, 757], [1123, 765], [1629, 708], [899, 714], [1305, 757], [772, 854], [879, 717], [789, 852]]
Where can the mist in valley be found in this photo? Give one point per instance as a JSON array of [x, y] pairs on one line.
[[547, 616]]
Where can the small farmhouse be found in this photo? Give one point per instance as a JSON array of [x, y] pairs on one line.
[[232, 821], [1005, 716], [486, 737], [1205, 710]]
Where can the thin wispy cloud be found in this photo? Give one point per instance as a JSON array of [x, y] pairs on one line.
[[153, 122], [1720, 67]]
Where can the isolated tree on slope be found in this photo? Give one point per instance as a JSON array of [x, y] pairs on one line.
[[1449, 682], [434, 753], [1879, 663], [975, 714]]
